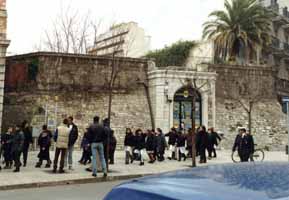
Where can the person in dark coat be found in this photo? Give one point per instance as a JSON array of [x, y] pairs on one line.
[[6, 141], [189, 139], [213, 140], [202, 142], [86, 154], [112, 147], [244, 143], [128, 145], [161, 145], [140, 145], [73, 135], [44, 142], [97, 136], [17, 147], [172, 143], [27, 130], [197, 144], [106, 142], [151, 144], [181, 143]]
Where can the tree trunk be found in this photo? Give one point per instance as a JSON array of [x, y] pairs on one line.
[[194, 133], [109, 106], [109, 116], [250, 118], [150, 105], [250, 122]]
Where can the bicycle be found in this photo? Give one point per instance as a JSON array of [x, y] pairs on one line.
[[258, 156]]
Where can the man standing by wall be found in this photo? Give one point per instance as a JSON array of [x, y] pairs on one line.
[[72, 139], [61, 137], [96, 135], [27, 130], [17, 147]]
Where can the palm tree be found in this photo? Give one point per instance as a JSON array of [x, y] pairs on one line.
[[240, 31]]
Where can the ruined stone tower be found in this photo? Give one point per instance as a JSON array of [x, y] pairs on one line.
[[4, 43]]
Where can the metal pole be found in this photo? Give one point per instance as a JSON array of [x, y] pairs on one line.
[[46, 114], [287, 103]]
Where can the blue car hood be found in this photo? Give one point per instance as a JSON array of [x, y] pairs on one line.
[[244, 181]]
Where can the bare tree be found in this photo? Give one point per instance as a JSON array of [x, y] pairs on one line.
[[120, 41], [194, 91], [248, 90], [71, 32]]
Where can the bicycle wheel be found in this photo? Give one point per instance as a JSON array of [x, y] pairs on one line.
[[235, 157], [258, 155]]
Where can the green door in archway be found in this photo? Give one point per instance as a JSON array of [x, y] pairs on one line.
[[182, 112]]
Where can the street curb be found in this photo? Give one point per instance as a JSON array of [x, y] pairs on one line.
[[71, 182]]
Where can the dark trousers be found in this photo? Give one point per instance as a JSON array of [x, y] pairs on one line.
[[82, 156], [160, 155], [86, 156], [212, 150], [25, 153], [244, 157], [111, 155], [16, 157], [105, 153], [44, 155], [8, 157], [59, 151], [189, 148], [203, 155]]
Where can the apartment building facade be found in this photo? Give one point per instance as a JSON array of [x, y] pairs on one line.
[[125, 40]]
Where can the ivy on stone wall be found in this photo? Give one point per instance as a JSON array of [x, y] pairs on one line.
[[174, 55], [33, 69]]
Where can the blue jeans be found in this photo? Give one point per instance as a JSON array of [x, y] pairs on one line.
[[68, 156], [98, 148]]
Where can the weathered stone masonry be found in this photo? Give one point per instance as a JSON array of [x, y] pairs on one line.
[[268, 122], [3, 46], [48, 87]]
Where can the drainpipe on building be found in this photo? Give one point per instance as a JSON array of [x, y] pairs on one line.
[[288, 126]]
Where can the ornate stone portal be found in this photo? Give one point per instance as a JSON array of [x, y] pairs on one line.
[[171, 112], [4, 43]]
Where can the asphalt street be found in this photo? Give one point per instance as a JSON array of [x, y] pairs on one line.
[[95, 191]]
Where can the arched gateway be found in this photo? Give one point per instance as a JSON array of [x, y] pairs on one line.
[[187, 107], [172, 97]]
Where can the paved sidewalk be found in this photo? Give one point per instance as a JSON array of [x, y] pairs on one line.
[[32, 177]]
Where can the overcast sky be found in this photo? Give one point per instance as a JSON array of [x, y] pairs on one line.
[[166, 21]]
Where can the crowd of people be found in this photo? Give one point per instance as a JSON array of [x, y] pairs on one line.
[[98, 139], [99, 143], [154, 143], [14, 143]]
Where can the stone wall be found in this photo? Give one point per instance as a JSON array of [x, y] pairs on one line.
[[268, 122], [4, 43], [45, 88]]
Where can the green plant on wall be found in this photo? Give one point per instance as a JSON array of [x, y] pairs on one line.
[[33, 69], [174, 55]]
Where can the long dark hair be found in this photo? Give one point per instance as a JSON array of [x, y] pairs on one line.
[[128, 131]]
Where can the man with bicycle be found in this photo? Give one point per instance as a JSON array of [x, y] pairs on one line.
[[244, 143]]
